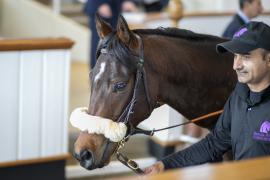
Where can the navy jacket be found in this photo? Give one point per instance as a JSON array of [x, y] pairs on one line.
[[92, 6], [244, 128], [233, 27]]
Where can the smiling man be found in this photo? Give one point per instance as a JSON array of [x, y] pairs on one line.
[[244, 126]]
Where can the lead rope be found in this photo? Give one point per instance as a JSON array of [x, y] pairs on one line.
[[216, 113], [131, 163]]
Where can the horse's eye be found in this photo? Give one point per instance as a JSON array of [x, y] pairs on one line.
[[119, 86]]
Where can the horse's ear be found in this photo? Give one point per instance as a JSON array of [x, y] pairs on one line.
[[123, 32], [103, 28]]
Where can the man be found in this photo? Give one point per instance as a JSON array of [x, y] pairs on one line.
[[244, 126], [248, 9], [109, 10]]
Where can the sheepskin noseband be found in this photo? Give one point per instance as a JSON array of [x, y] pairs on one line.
[[114, 131]]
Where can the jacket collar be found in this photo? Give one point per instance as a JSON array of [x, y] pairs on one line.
[[240, 20], [243, 91], [243, 17]]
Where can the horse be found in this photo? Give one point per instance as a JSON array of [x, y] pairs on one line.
[[139, 70]]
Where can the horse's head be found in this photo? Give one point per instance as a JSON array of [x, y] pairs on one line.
[[113, 81]]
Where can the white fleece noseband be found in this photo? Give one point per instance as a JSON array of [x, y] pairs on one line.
[[114, 131]]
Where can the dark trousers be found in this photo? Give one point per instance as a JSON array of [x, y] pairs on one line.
[[94, 43]]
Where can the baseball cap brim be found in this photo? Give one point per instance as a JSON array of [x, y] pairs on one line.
[[235, 46]]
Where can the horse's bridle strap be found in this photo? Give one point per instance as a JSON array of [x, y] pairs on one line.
[[140, 77]]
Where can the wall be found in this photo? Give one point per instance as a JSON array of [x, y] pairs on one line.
[[34, 103], [216, 5], [29, 19], [213, 25], [26, 18]]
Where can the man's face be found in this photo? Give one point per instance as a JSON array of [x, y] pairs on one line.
[[253, 68], [254, 8]]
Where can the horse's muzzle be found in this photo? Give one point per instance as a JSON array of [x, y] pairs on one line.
[[86, 159]]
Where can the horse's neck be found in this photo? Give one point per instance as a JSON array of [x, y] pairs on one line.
[[182, 78]]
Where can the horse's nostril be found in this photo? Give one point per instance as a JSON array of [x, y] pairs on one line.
[[85, 155], [76, 156]]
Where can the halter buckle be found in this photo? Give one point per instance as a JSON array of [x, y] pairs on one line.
[[121, 144], [140, 63], [132, 164]]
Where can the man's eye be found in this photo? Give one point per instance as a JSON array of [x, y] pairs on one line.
[[120, 86], [246, 56]]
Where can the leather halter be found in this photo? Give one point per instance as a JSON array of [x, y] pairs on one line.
[[129, 110]]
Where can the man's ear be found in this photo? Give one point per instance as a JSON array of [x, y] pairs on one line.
[[125, 34], [103, 28]]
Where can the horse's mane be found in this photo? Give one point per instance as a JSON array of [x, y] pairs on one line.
[[177, 33], [126, 56]]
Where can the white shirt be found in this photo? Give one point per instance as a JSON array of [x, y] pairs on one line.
[[243, 16]]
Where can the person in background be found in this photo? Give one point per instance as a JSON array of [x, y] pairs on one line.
[[244, 126], [248, 9], [109, 10]]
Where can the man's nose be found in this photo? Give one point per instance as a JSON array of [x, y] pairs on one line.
[[237, 63]]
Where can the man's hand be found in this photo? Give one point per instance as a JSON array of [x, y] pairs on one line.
[[129, 6], [156, 168], [105, 11]]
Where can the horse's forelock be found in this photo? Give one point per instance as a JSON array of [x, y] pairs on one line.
[[119, 51], [122, 53]]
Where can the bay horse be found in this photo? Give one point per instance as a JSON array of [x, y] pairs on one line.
[[177, 67]]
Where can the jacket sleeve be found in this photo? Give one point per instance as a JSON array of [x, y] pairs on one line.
[[209, 149], [92, 6]]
